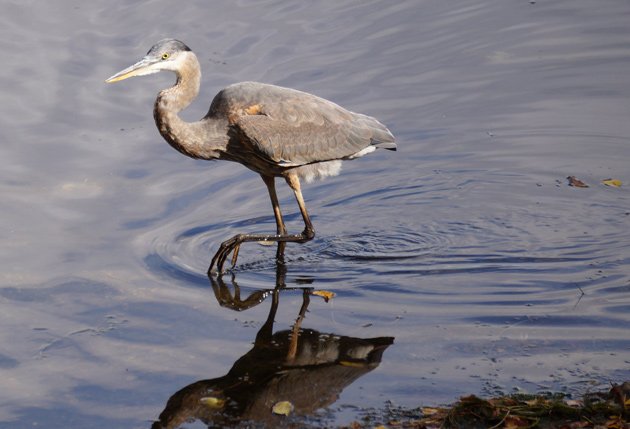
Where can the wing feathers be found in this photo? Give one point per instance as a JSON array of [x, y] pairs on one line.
[[301, 141], [290, 127]]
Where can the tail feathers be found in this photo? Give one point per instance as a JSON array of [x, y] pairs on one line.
[[380, 136], [385, 145]]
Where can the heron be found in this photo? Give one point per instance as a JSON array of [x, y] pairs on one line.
[[274, 131]]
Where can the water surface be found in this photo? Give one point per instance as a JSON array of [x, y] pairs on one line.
[[466, 246]]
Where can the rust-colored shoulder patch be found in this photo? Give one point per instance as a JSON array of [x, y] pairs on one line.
[[254, 109]]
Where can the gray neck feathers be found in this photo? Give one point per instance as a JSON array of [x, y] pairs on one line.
[[203, 139]]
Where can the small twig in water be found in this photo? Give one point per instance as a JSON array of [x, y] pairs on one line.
[[502, 420], [580, 298]]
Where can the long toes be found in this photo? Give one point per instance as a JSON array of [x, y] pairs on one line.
[[221, 260], [214, 264], [218, 260], [235, 254], [231, 245], [225, 252]]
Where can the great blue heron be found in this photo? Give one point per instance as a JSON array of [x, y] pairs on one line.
[[274, 131]]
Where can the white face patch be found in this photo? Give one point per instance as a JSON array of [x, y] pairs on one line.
[[173, 64]]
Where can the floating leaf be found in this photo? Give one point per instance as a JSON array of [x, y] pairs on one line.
[[612, 182], [324, 294], [212, 402], [575, 182], [283, 408]]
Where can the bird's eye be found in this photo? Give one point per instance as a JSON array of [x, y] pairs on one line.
[[165, 56]]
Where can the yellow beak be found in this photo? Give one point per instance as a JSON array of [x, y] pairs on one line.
[[141, 68]]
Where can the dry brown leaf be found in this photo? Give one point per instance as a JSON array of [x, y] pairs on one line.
[[615, 422], [575, 182]]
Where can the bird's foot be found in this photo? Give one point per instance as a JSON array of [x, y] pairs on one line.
[[233, 246], [228, 246]]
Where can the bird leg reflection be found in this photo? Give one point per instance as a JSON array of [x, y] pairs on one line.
[[305, 367], [295, 331], [265, 334], [232, 300], [233, 244]]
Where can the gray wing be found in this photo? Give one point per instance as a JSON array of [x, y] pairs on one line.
[[294, 128]]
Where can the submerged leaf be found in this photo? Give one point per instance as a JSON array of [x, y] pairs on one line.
[[612, 182], [212, 402], [352, 364], [283, 408]]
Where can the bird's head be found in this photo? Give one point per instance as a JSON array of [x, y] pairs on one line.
[[167, 54]]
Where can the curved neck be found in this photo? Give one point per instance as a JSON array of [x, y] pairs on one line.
[[197, 139]]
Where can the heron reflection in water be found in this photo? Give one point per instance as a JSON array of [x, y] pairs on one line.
[[274, 131], [301, 367]]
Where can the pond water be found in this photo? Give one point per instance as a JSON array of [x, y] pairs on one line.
[[466, 248]]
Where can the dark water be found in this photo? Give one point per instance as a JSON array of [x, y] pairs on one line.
[[466, 246]]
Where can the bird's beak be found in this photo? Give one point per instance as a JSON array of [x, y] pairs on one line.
[[141, 68]]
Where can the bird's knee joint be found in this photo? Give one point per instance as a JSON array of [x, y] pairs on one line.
[[237, 239], [308, 234]]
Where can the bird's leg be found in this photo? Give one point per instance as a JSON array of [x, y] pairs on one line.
[[309, 232], [271, 187], [281, 229], [270, 182], [280, 252], [295, 330], [233, 244]]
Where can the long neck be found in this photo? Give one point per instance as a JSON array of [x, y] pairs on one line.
[[203, 139]]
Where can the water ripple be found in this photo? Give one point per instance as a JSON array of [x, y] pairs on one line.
[[402, 242]]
